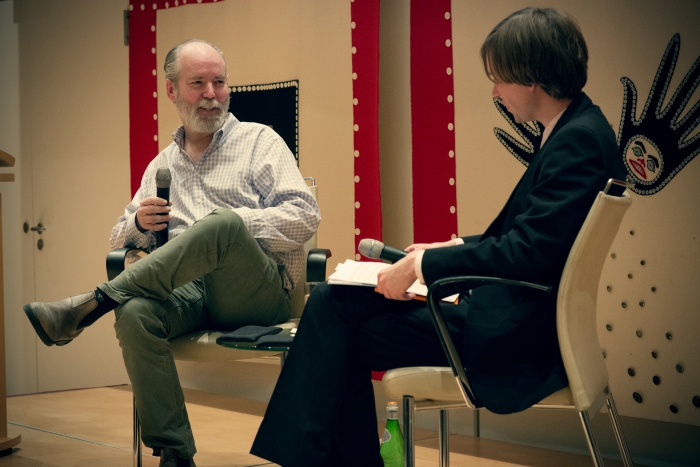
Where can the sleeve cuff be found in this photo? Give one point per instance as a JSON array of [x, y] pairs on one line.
[[417, 263], [417, 266]]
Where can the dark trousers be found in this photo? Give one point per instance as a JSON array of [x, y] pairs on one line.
[[322, 410]]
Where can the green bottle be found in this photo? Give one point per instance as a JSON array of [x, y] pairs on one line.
[[392, 441]]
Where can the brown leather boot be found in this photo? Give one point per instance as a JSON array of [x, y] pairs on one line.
[[168, 458], [57, 322]]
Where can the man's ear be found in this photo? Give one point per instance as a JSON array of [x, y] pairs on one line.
[[170, 89]]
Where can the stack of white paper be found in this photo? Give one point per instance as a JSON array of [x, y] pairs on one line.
[[364, 273]]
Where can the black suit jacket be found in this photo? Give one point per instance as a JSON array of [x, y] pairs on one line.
[[512, 354]]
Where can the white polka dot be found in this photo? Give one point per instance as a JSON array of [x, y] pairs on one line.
[[452, 181], [358, 257], [453, 236], [176, 2], [447, 15], [357, 179], [357, 205], [356, 127], [155, 94], [153, 29], [452, 154], [143, 7], [452, 209], [449, 98], [449, 70], [155, 7], [154, 72], [355, 101], [155, 116], [354, 50], [184, 2], [155, 137], [357, 231], [131, 7], [167, 5], [357, 153], [450, 126], [354, 76], [153, 50], [352, 25], [448, 43], [199, 1]]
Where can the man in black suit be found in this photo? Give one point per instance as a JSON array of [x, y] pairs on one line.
[[322, 410]]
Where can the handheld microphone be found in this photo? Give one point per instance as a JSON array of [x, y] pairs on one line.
[[375, 249], [163, 191]]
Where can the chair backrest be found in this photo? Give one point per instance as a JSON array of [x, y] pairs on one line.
[[577, 300], [298, 296]]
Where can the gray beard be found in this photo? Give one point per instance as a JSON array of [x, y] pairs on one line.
[[193, 121]]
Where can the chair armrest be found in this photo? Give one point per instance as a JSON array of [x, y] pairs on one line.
[[117, 260], [316, 267], [461, 284]]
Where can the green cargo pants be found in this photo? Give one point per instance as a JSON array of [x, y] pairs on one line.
[[212, 276]]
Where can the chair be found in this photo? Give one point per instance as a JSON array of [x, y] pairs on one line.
[[425, 388], [201, 346]]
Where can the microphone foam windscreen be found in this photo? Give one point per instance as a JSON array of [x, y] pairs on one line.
[[370, 248], [163, 178]]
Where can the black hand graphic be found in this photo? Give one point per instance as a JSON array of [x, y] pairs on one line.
[[655, 147], [523, 152]]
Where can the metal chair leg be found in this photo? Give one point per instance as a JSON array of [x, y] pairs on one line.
[[590, 439], [477, 423], [409, 437], [137, 438], [444, 437], [619, 435]]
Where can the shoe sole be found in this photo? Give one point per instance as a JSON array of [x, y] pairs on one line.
[[40, 329]]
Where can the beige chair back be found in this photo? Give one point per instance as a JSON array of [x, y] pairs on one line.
[[577, 299]]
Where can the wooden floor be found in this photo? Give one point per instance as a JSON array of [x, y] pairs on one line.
[[93, 427]]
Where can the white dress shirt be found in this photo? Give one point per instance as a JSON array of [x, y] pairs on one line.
[[248, 169]]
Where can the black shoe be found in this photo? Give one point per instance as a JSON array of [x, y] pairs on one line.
[[58, 322], [168, 458]]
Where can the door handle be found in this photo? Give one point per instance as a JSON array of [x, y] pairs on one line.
[[39, 228]]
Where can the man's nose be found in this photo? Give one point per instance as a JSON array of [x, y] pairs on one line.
[[209, 91]]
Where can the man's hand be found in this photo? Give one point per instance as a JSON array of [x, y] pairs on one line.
[[428, 246], [393, 281], [153, 214]]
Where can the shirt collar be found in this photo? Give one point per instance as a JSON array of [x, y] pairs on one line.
[[550, 126], [231, 121]]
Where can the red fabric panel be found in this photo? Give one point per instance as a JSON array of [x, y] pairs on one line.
[[432, 122], [365, 88], [143, 84]]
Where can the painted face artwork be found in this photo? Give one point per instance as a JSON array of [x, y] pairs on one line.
[[656, 146]]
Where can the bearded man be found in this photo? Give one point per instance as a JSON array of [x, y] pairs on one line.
[[239, 216]]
